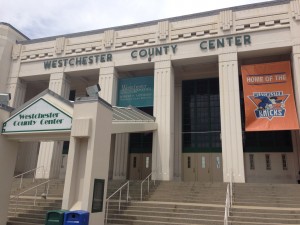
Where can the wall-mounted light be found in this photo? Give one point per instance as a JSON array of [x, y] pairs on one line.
[[93, 90]]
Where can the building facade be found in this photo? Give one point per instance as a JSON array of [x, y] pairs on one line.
[[186, 72]]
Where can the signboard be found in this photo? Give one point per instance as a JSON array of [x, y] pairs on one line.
[[38, 116], [137, 91], [269, 97]]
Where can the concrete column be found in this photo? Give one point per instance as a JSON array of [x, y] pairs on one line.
[[163, 110], [121, 156], [108, 81], [231, 128], [88, 156], [50, 154], [17, 88], [296, 80], [8, 152], [178, 132]]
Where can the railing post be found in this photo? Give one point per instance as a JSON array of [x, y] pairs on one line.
[[142, 191], [21, 182], [127, 192], [120, 199], [231, 194], [17, 201], [35, 196], [33, 179], [107, 202]]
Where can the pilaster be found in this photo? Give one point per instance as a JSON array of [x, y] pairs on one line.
[[231, 129], [50, 154], [108, 81], [60, 84], [296, 80], [121, 156], [17, 88], [163, 110]]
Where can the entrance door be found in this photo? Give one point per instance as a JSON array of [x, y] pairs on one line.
[[140, 165], [202, 167]]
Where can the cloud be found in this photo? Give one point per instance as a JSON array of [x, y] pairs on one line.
[[40, 18]]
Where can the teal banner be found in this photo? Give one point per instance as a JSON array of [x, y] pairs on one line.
[[137, 91]]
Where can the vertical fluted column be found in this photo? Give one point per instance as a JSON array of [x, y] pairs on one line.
[[163, 110], [17, 88], [231, 129], [108, 81], [121, 156], [50, 154], [296, 79], [178, 131]]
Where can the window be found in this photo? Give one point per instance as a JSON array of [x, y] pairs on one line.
[[72, 95], [141, 142], [189, 161], [203, 162], [268, 162], [284, 162], [251, 159], [201, 123], [218, 162], [147, 162]]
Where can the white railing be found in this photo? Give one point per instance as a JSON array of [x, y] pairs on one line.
[[146, 179], [229, 200], [227, 205], [231, 189], [120, 198], [28, 172], [44, 194]]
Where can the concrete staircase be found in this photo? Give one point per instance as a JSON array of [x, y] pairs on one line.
[[27, 213], [266, 204], [174, 203], [24, 212]]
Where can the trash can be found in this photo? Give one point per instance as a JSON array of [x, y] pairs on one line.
[[78, 217], [55, 217]]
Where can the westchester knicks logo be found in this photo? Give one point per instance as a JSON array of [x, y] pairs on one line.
[[269, 104]]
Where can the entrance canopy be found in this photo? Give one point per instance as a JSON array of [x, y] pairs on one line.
[[130, 119], [48, 117]]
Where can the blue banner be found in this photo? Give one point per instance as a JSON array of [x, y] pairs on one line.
[[137, 91]]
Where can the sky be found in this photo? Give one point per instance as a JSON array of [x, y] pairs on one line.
[[45, 18]]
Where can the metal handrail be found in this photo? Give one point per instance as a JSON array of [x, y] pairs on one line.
[[29, 171], [120, 197], [231, 189], [229, 200], [45, 194], [227, 205], [147, 178]]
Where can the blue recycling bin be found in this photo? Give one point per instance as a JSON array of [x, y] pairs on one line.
[[78, 217]]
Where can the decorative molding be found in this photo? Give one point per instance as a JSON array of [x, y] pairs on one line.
[[226, 20], [295, 9], [163, 30], [16, 51], [109, 38], [59, 45]]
